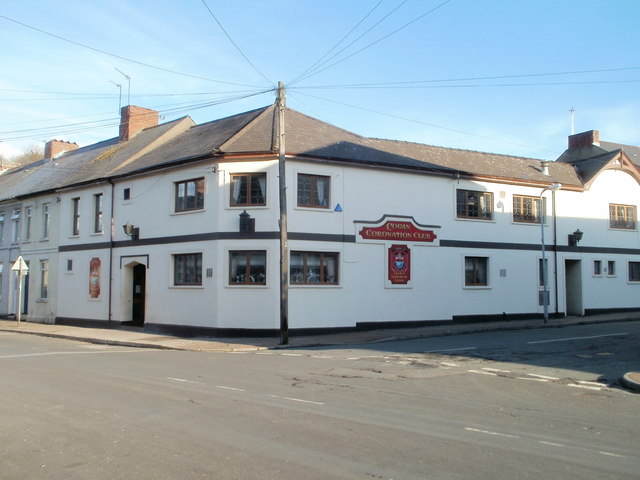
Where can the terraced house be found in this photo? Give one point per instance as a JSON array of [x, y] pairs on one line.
[[176, 227]]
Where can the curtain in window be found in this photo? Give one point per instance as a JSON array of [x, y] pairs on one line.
[[329, 269], [237, 186], [262, 184], [320, 187]]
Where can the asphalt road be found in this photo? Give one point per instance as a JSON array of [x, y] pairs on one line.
[[519, 404]]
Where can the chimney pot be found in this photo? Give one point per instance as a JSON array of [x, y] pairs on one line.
[[134, 119], [584, 139]]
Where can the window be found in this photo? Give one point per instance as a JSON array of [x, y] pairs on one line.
[[622, 216], [310, 268], [475, 271], [248, 189], [611, 268], [69, 265], [527, 209], [15, 225], [44, 279], [248, 268], [190, 195], [46, 220], [187, 269], [75, 229], [27, 223], [634, 271], [472, 204], [543, 273], [97, 213], [313, 191], [597, 267], [1, 227], [126, 194]]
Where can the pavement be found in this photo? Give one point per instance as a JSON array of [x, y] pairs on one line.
[[132, 337]]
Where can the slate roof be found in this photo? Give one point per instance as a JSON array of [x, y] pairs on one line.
[[592, 159], [255, 132]]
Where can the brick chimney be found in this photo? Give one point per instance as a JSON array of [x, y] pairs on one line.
[[135, 119], [584, 139], [54, 148]]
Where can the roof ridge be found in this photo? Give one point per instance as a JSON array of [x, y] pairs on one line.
[[459, 149]]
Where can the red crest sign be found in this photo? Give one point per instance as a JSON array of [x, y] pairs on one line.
[[399, 264]]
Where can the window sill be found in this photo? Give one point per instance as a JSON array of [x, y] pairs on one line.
[[314, 209], [186, 287], [470, 219], [478, 287], [187, 212]]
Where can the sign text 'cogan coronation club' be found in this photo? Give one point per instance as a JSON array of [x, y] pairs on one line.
[[398, 231]]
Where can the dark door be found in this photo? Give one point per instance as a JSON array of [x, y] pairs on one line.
[[139, 280]]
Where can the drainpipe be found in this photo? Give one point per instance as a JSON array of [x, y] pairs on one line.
[[555, 249], [111, 236]]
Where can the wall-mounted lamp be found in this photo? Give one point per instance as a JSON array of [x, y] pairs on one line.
[[247, 224], [575, 237], [129, 229]]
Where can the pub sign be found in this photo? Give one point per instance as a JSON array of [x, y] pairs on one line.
[[399, 268]]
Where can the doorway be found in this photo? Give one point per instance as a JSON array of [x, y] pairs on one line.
[[573, 287], [138, 295]]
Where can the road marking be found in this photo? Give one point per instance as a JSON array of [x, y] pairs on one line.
[[551, 444], [542, 376], [183, 380], [449, 364], [291, 354], [568, 339], [487, 432], [231, 388], [533, 379], [609, 454], [450, 350], [45, 354], [587, 387], [321, 356], [297, 400], [586, 382], [495, 370], [483, 373]]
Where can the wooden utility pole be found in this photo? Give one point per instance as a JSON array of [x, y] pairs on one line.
[[284, 257]]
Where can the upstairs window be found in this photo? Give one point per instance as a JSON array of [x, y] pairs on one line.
[[75, 229], [15, 225], [473, 204], [527, 209], [1, 227], [189, 195], [46, 220], [27, 223], [622, 216], [248, 189], [313, 191], [313, 268], [97, 213]]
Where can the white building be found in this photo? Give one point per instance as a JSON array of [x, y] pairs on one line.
[[379, 231]]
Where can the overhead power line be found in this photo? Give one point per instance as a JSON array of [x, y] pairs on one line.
[[235, 44], [137, 62], [468, 79], [344, 38], [316, 71], [420, 122]]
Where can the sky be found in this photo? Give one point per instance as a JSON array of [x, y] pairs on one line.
[[502, 76]]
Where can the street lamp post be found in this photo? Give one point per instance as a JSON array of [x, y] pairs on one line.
[[543, 268]]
